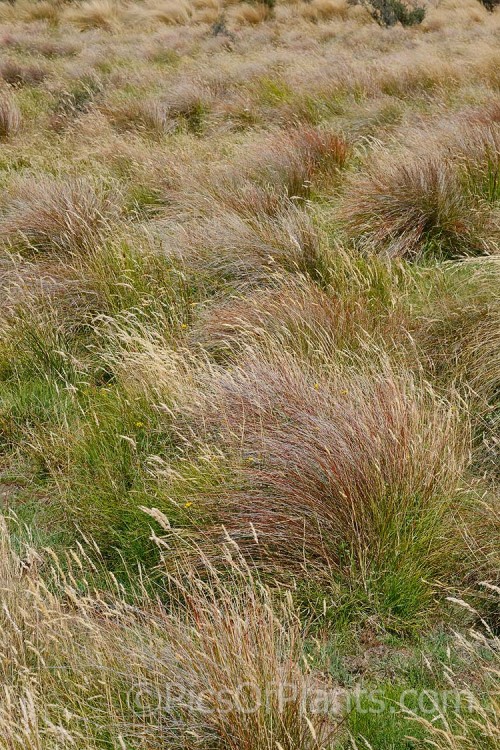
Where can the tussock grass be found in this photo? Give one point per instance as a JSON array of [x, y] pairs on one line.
[[326, 9], [95, 14], [415, 207], [57, 215], [10, 117], [343, 471], [296, 162], [246, 250], [17, 74], [459, 335], [134, 672]]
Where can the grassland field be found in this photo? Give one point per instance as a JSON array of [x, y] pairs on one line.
[[249, 375]]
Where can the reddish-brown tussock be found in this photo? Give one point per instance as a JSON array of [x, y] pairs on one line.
[[57, 214], [295, 160], [293, 314], [407, 205], [334, 462]]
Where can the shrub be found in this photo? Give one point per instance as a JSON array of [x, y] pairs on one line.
[[391, 12], [10, 117], [490, 4]]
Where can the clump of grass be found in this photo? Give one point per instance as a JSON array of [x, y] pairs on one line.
[[294, 312], [94, 14], [188, 104], [60, 215], [10, 117], [176, 12], [458, 333], [223, 666], [414, 207], [299, 159], [50, 48], [320, 10], [344, 475], [147, 116], [251, 13], [45, 10], [184, 107], [17, 74], [476, 147], [74, 100], [296, 315], [247, 250]]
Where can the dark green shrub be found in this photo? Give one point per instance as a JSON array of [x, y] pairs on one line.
[[391, 12], [490, 4]]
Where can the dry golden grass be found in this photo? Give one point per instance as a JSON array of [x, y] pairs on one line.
[[325, 10], [94, 14], [174, 12], [246, 13], [76, 665]]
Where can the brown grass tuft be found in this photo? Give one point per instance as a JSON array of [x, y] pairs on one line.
[[169, 11], [323, 10], [250, 14], [10, 117], [248, 249], [55, 214], [369, 463], [293, 314], [411, 205], [17, 74], [297, 159], [94, 14]]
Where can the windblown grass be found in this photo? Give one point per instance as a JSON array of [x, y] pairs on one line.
[[249, 373], [354, 475]]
